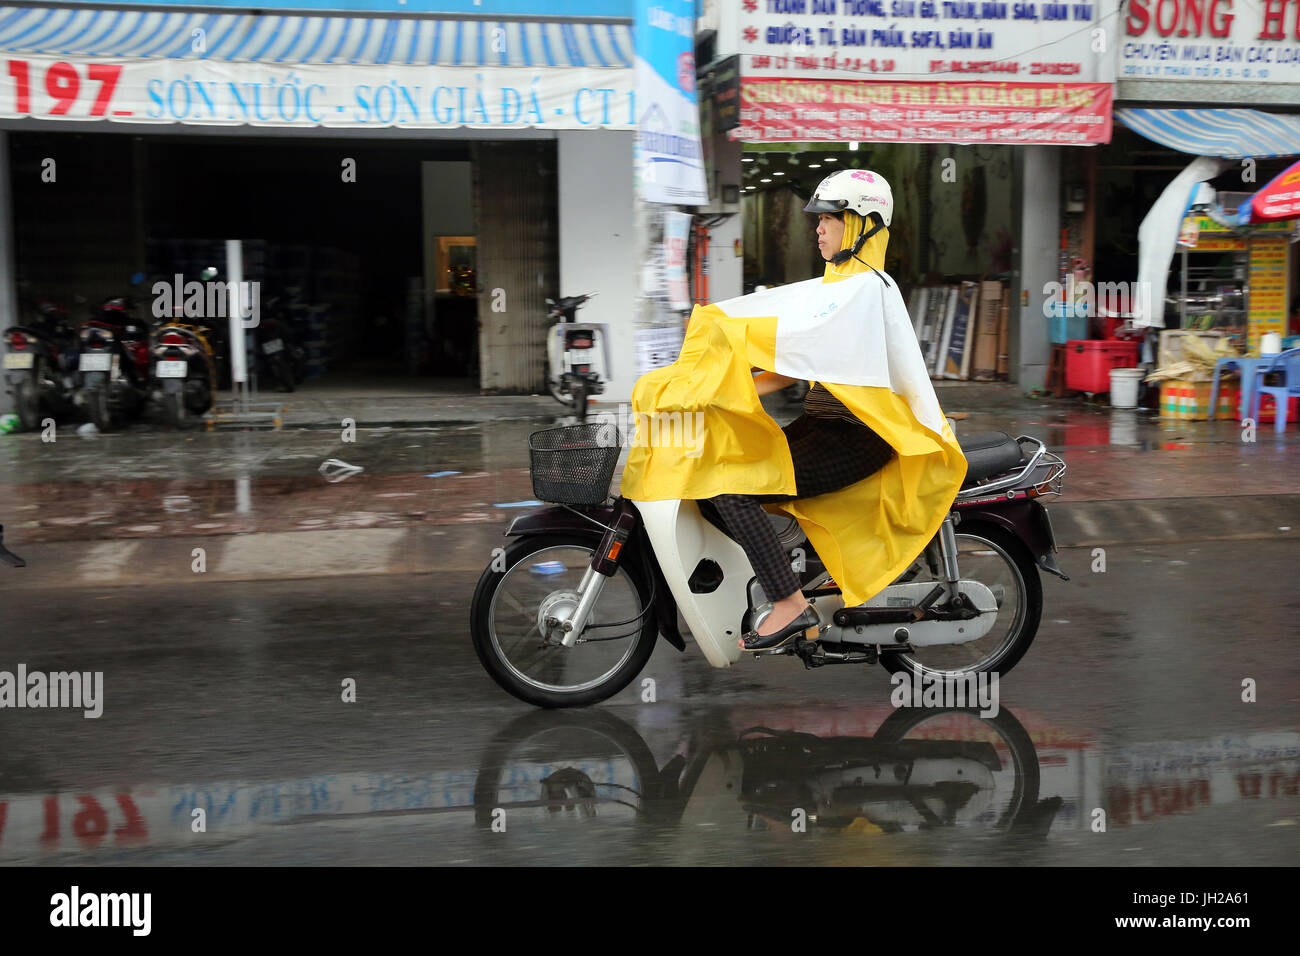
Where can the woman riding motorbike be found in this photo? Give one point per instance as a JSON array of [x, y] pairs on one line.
[[871, 467]]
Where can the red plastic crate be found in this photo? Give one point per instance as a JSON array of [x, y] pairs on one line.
[[1088, 362]]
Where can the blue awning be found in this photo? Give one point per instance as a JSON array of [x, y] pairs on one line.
[[1228, 134], [270, 38]]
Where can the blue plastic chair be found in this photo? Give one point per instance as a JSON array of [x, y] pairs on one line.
[[1288, 364], [1290, 342]]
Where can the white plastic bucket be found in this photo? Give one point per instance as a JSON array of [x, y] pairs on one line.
[[1270, 344], [1124, 387]]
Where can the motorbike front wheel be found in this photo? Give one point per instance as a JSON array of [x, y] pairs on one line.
[[538, 576], [998, 560]]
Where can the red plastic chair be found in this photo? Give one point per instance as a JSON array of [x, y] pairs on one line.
[[1286, 364]]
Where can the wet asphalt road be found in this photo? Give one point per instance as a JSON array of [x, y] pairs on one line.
[[227, 698]]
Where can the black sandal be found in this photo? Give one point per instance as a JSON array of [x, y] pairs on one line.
[[753, 641]]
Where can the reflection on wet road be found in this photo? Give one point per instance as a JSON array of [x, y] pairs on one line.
[[228, 699]]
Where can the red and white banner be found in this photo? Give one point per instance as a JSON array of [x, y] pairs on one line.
[[775, 109], [219, 93]]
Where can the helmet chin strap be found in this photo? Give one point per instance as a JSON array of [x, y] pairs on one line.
[[844, 255]]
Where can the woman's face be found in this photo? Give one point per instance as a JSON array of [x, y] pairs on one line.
[[830, 234]]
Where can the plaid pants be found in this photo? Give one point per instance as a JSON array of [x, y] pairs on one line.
[[828, 454]]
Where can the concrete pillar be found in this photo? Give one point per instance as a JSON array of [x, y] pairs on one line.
[[726, 269], [598, 241], [8, 278], [1040, 251]]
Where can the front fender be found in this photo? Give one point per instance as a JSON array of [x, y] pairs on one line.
[[558, 518]]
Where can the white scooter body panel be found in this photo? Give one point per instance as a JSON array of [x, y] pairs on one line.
[[682, 538]]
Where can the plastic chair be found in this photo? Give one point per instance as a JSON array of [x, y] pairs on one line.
[[1288, 364]]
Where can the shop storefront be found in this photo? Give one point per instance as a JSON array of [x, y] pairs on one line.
[[1207, 113], [966, 109], [396, 174]]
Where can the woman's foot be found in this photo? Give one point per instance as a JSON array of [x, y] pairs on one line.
[[783, 626]]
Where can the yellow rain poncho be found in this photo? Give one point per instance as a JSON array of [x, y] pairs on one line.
[[850, 331]]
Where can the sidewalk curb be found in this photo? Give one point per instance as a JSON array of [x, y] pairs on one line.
[[467, 548]]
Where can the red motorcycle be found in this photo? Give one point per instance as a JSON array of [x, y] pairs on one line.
[[114, 364]]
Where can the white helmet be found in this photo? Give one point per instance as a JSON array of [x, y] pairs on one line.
[[858, 190]]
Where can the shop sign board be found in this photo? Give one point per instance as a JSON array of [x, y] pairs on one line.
[[725, 79], [669, 158], [1214, 40], [552, 9], [676, 229], [1268, 288], [304, 95], [913, 40], [777, 109]]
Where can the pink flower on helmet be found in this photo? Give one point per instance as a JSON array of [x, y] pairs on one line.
[[862, 174]]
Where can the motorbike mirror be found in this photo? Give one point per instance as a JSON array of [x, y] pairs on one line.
[[550, 302]]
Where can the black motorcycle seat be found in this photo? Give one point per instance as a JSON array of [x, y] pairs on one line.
[[989, 453], [570, 301]]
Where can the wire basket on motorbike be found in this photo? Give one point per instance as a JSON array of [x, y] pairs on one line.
[[573, 464]]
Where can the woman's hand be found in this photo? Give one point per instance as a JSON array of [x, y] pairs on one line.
[[770, 382]]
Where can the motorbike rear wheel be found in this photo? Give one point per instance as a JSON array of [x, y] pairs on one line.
[[27, 400], [101, 412], [998, 560], [1018, 783], [579, 395], [174, 408], [282, 372], [504, 623]]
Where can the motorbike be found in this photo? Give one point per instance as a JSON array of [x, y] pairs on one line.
[[40, 365], [114, 363], [185, 369], [571, 610], [572, 373], [909, 776], [281, 353]]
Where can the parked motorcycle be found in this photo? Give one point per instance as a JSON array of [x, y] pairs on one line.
[[283, 358], [114, 363], [571, 614], [185, 369], [910, 776], [571, 352], [40, 365]]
